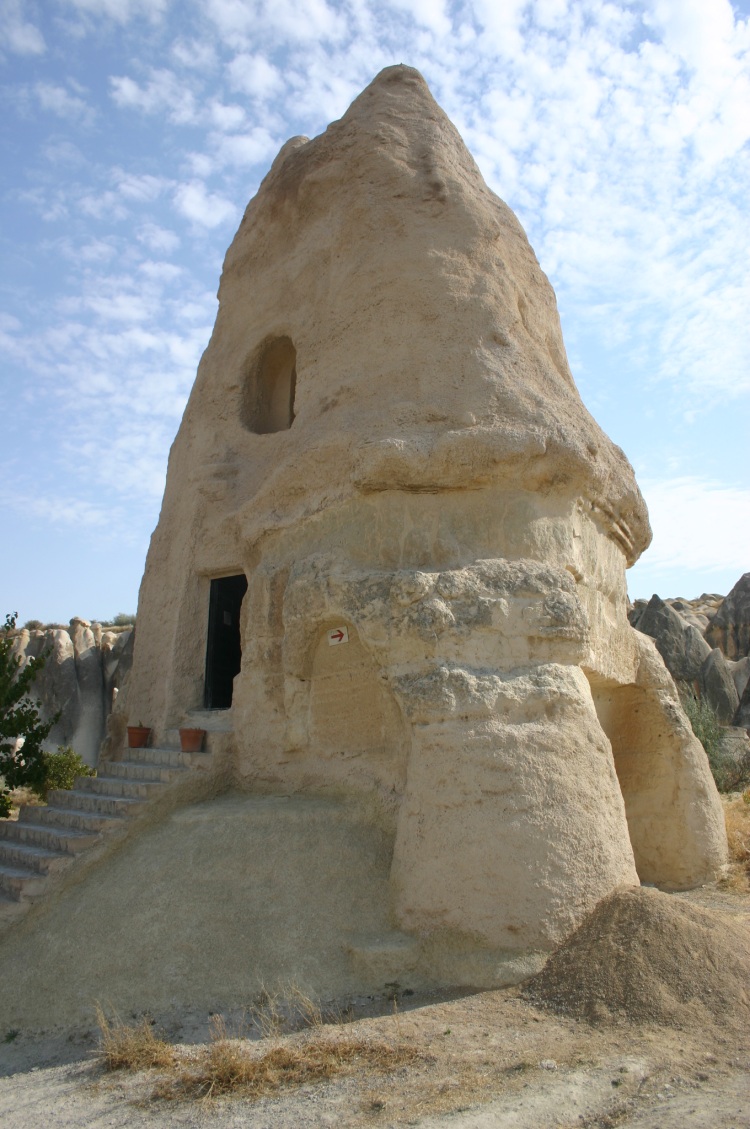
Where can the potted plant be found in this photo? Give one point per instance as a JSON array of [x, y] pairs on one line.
[[138, 735], [191, 740]]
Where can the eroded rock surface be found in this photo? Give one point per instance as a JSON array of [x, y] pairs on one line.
[[705, 643], [385, 442], [729, 629], [85, 664]]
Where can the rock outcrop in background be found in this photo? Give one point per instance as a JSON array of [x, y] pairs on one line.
[[706, 644], [86, 664]]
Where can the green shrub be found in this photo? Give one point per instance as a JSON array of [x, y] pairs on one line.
[[21, 764], [729, 772], [61, 770], [33, 625]]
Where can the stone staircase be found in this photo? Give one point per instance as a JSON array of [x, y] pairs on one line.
[[46, 840]]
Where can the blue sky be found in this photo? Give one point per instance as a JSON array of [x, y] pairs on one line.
[[135, 131]]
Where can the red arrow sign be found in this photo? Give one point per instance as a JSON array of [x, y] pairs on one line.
[[338, 635]]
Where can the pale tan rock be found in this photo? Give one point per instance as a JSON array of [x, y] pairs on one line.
[[384, 437], [83, 666]]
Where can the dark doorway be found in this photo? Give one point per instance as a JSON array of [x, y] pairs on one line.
[[224, 651]]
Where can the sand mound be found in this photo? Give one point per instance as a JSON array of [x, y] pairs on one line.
[[650, 957]]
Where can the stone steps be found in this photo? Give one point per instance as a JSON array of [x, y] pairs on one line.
[[80, 799], [18, 881], [45, 839], [118, 787], [66, 840], [167, 758], [14, 852], [143, 770]]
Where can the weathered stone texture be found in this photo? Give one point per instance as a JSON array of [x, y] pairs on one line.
[[85, 664], [730, 627], [384, 437]]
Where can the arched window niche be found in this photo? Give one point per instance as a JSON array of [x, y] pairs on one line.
[[268, 395]]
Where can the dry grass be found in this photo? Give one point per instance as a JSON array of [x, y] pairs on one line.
[[737, 817], [132, 1047], [232, 1064]]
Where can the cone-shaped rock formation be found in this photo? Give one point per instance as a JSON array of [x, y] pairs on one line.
[[388, 497]]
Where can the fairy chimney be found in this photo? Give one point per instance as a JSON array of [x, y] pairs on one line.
[[392, 549]]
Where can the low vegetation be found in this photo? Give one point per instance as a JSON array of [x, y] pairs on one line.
[[122, 619], [125, 1046], [731, 772], [61, 770], [22, 730], [255, 1067]]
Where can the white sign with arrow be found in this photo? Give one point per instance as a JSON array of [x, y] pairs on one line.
[[338, 635]]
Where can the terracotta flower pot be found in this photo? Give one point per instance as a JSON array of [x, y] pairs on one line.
[[138, 736], [191, 740]]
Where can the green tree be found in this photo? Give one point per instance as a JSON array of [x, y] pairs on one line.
[[20, 717]]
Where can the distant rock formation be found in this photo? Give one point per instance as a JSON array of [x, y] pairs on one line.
[[87, 663], [705, 642], [729, 629]]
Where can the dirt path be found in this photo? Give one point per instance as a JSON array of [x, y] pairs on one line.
[[490, 1060], [484, 1061]]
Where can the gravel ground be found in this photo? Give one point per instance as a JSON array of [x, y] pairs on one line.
[[487, 1060]]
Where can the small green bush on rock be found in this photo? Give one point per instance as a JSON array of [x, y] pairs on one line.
[[61, 769], [729, 771]]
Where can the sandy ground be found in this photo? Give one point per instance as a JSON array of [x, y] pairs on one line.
[[487, 1060], [491, 1060]]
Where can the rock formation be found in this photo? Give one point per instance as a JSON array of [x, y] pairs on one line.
[[385, 445], [685, 631], [86, 663], [679, 642], [729, 629]]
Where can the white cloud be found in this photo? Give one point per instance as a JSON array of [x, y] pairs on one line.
[[141, 188], [226, 117], [103, 205], [57, 100], [622, 146], [427, 13], [247, 148], [95, 251], [240, 22], [698, 31], [17, 34], [195, 53], [255, 75], [63, 153], [158, 238], [687, 515], [121, 11], [207, 209], [162, 92], [502, 23], [62, 511]]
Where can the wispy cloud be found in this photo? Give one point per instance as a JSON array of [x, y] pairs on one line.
[[59, 101], [121, 11], [687, 514], [616, 129], [163, 92], [204, 208], [18, 34]]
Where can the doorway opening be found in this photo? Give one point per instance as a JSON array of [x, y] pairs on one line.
[[224, 650]]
